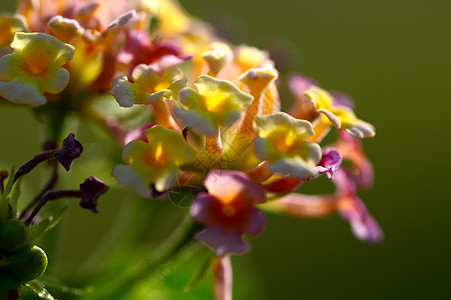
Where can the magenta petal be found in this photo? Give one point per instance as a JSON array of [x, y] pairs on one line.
[[365, 176], [223, 242], [342, 99], [363, 225], [167, 61], [256, 223], [137, 134], [199, 208], [330, 162], [344, 183], [367, 230], [299, 84]]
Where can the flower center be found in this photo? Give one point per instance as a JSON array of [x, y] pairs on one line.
[[36, 65], [228, 210]]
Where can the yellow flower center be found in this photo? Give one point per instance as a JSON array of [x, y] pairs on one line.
[[156, 158], [215, 102], [36, 65]]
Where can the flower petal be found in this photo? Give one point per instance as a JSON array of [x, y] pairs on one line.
[[21, 92], [42, 46], [330, 162], [233, 184], [199, 209], [131, 179], [256, 223], [301, 205], [223, 242], [294, 166], [56, 80], [298, 84]]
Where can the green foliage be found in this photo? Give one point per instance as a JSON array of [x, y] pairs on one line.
[[34, 232], [4, 200], [12, 235]]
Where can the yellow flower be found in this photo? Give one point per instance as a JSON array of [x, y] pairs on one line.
[[66, 30], [217, 103], [9, 25], [35, 68], [154, 163], [217, 57], [149, 84], [281, 143], [337, 115], [247, 57]]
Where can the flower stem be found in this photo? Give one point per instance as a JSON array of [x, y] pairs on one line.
[[52, 195], [32, 163], [163, 115], [213, 146], [50, 184]]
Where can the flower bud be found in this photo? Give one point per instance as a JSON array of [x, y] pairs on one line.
[[91, 189], [70, 150], [12, 234], [30, 264]]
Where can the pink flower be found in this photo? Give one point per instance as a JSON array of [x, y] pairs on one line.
[[330, 162], [354, 211], [138, 49], [228, 211]]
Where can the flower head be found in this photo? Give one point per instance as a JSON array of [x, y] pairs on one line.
[[340, 116], [150, 83], [65, 29], [35, 68], [228, 211], [154, 163], [215, 103], [281, 142]]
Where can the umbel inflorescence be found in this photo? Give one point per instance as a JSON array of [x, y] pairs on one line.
[[199, 115]]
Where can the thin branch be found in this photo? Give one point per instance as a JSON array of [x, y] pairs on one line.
[[50, 184], [32, 163], [52, 195]]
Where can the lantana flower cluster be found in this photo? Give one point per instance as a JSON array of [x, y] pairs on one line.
[[206, 115]]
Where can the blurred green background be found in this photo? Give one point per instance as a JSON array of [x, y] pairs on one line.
[[394, 58]]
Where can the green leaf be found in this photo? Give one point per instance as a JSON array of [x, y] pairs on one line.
[[35, 231], [39, 290], [15, 197], [4, 208]]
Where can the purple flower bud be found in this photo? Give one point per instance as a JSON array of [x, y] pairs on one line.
[[91, 189], [70, 150], [330, 162]]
